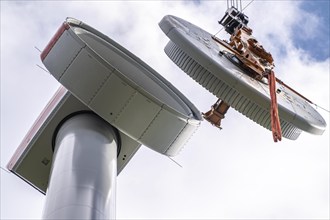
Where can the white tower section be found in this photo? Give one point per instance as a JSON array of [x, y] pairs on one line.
[[116, 91], [84, 170]]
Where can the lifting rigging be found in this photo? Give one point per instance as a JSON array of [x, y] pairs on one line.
[[240, 73], [253, 57]]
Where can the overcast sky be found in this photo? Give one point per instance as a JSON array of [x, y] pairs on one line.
[[237, 172]]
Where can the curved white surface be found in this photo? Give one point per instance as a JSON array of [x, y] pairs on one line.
[[32, 158], [197, 54], [82, 183], [120, 88]]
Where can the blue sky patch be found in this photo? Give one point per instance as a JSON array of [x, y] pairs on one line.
[[317, 45]]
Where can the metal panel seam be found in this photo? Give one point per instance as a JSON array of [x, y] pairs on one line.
[[124, 106], [99, 88], [143, 133], [179, 134], [71, 61]]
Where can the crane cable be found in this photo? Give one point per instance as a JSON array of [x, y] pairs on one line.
[[231, 3], [234, 3], [275, 120]]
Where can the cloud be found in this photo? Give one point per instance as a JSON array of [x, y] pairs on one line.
[[233, 173]]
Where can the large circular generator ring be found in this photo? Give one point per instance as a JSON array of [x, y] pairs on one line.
[[197, 54], [120, 88]]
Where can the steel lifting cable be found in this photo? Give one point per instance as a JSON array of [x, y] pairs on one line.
[[235, 3], [229, 4], [275, 119]]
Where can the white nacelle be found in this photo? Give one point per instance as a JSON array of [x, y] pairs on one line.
[[121, 88]]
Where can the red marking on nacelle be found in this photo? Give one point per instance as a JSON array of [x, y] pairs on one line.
[[65, 26]]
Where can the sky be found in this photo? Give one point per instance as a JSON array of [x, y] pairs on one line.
[[235, 173]]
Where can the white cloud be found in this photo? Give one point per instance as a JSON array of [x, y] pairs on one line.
[[233, 173]]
